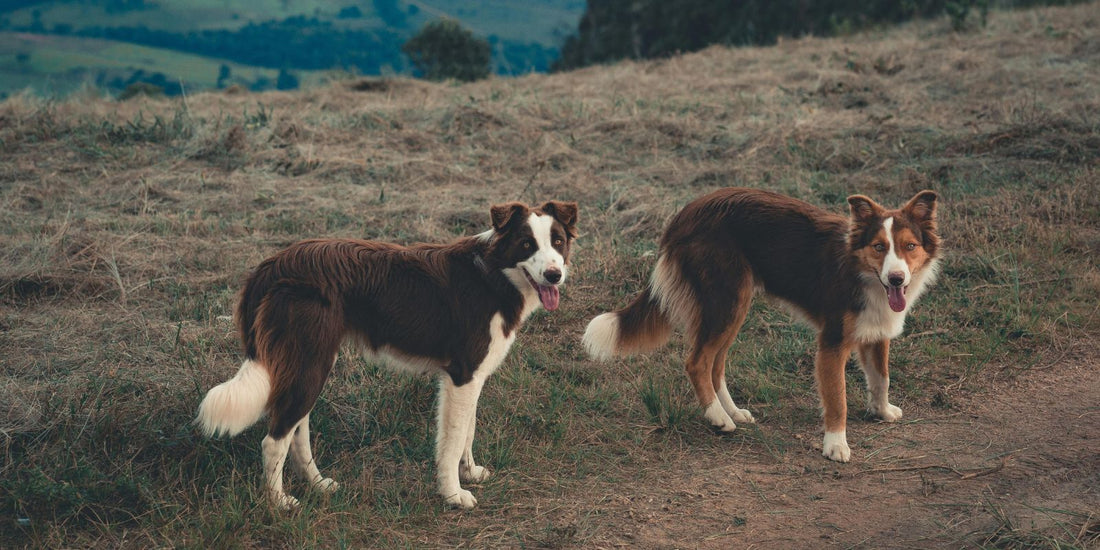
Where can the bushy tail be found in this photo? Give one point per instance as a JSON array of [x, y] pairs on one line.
[[237, 403], [640, 326]]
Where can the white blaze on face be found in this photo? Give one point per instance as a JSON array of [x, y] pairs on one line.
[[892, 263], [544, 259]]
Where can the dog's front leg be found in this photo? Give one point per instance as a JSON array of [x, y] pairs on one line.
[[457, 409], [829, 371], [875, 358]]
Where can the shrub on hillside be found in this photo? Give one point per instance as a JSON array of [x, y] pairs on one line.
[[444, 49]]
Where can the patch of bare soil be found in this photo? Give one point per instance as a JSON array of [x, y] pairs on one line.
[[1016, 467]]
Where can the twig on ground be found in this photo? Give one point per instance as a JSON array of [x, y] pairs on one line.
[[1023, 283], [928, 333], [960, 473]]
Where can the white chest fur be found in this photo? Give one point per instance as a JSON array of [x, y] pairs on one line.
[[877, 321]]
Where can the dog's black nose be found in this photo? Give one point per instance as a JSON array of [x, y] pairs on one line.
[[896, 278], [553, 275]]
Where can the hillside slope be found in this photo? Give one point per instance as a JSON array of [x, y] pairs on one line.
[[126, 228], [58, 65], [318, 35]]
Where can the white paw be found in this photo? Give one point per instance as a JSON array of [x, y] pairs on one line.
[[716, 415], [327, 485], [477, 474], [461, 499], [743, 416], [835, 447], [283, 501], [889, 413]]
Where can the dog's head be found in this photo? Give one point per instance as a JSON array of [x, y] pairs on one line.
[[533, 243], [894, 247]]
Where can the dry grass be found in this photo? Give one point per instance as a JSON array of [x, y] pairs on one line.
[[126, 229]]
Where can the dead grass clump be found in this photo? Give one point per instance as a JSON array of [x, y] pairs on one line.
[[1055, 139], [371, 85], [58, 267], [849, 93], [465, 120], [227, 150], [20, 409]]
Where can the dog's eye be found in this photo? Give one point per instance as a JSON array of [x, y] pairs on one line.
[[527, 245], [879, 247], [558, 241], [911, 246]]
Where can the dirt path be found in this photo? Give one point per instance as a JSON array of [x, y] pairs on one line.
[[1012, 466]]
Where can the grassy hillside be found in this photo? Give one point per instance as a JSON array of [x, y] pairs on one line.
[[541, 21], [61, 64], [127, 228], [301, 36]]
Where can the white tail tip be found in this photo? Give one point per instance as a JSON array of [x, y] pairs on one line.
[[601, 338], [237, 403]]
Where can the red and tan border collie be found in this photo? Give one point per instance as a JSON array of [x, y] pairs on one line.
[[450, 309], [854, 279]]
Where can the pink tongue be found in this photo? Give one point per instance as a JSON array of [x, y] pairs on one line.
[[897, 298], [549, 296]]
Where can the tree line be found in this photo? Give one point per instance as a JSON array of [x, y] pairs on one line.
[[297, 42], [611, 30]]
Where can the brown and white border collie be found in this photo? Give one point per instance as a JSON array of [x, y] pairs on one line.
[[854, 279], [450, 309]]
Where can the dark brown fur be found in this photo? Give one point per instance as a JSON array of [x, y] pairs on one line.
[[425, 300]]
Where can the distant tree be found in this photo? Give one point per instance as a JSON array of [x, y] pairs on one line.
[[23, 58], [260, 84], [123, 6], [350, 12], [223, 75], [286, 81], [297, 42], [444, 49], [611, 30], [36, 22], [390, 13]]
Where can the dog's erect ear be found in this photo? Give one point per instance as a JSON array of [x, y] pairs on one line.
[[564, 212], [503, 214], [922, 207], [863, 208]]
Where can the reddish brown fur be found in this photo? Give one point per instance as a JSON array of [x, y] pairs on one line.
[[643, 327], [723, 245]]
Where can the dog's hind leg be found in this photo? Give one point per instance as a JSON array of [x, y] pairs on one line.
[[274, 451], [718, 370], [289, 431], [299, 333], [723, 293], [698, 365], [302, 454]]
